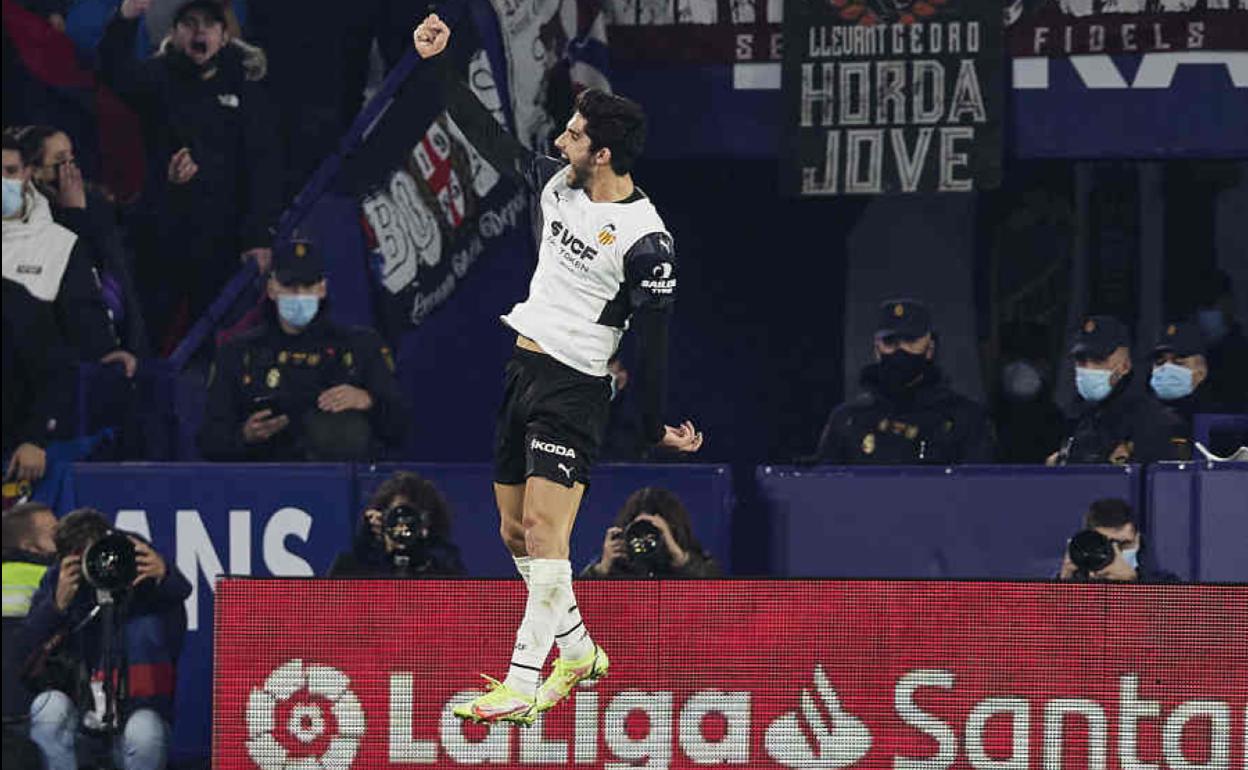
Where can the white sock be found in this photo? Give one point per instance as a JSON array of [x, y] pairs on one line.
[[523, 566], [570, 632], [537, 631]]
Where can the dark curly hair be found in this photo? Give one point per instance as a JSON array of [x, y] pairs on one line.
[[79, 529], [616, 123], [418, 491], [664, 503]]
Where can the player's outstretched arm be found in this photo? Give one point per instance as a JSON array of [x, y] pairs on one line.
[[502, 150]]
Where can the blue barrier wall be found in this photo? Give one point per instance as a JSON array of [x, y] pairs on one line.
[[1000, 522], [1197, 517], [963, 522], [705, 489]]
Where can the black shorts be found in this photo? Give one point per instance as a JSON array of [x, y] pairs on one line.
[[551, 422]]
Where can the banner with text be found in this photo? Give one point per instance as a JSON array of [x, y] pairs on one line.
[[804, 674], [910, 106], [438, 207], [1130, 80]]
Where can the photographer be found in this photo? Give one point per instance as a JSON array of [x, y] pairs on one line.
[[102, 656], [404, 532], [652, 537], [1109, 548]]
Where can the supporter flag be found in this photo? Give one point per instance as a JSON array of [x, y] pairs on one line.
[[1130, 80], [409, 215], [555, 49], [44, 83]]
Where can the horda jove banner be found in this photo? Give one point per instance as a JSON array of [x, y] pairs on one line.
[[890, 97]]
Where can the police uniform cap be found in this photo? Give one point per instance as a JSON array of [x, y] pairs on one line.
[[1183, 338], [1098, 337], [297, 263], [906, 319]]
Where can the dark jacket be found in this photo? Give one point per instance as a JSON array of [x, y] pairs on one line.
[[1126, 427], [294, 370], [368, 558], [80, 308], [97, 225], [154, 628], [227, 123], [39, 390], [931, 424], [701, 566]]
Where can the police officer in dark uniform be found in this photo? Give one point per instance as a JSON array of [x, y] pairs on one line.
[[907, 413], [1180, 370], [301, 387], [1110, 423]]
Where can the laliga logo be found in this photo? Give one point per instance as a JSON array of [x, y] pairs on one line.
[[841, 739], [313, 699]]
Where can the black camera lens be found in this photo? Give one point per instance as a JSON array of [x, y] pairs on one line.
[[642, 538], [109, 563], [407, 526], [1090, 551]]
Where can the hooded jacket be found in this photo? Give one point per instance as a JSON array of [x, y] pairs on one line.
[[225, 120], [57, 267]]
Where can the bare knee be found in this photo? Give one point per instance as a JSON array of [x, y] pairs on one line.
[[542, 537], [513, 537]]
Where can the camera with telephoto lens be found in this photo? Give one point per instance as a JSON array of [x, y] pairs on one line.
[[109, 563], [644, 548], [1090, 552], [409, 529]]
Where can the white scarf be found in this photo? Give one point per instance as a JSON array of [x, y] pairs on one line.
[[36, 249]]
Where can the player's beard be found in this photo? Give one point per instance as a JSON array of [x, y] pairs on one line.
[[578, 174]]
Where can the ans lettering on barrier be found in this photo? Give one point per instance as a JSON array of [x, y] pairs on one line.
[[196, 554]]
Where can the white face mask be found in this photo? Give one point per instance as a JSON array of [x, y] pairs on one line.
[[14, 190]]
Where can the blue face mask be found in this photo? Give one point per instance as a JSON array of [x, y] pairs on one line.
[[1093, 384], [1171, 381], [12, 197], [1132, 557], [298, 310], [1212, 321]]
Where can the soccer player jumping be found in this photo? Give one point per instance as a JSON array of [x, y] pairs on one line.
[[605, 262]]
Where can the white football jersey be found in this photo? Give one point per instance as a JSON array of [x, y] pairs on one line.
[[586, 282]]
